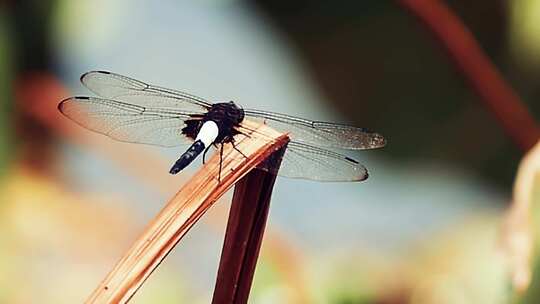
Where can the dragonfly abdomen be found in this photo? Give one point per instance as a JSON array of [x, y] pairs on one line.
[[206, 135], [194, 150]]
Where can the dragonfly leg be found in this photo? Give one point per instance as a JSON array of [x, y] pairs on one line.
[[220, 162], [248, 135], [204, 155], [238, 150]]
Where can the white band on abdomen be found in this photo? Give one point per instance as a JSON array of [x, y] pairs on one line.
[[208, 133]]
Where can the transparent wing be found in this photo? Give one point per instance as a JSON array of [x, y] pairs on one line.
[[321, 134], [128, 122], [114, 86], [305, 161], [309, 162]]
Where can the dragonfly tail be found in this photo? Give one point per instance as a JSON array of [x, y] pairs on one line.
[[185, 159]]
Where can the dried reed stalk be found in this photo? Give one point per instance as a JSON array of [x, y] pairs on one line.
[[245, 230], [183, 211]]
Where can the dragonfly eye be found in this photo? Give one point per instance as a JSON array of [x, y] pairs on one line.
[[241, 115]]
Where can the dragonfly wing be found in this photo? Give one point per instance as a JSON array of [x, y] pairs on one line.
[[114, 86], [313, 163], [127, 122], [318, 133]]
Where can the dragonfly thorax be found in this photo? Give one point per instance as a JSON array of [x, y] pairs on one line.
[[227, 116]]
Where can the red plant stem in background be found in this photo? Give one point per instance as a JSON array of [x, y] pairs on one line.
[[497, 96], [245, 229]]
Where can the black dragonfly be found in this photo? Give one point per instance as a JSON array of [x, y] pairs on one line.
[[130, 110]]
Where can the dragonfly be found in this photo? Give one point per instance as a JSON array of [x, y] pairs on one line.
[[130, 110]]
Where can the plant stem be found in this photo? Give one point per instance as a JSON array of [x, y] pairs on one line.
[[497, 96], [245, 230], [183, 211]]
